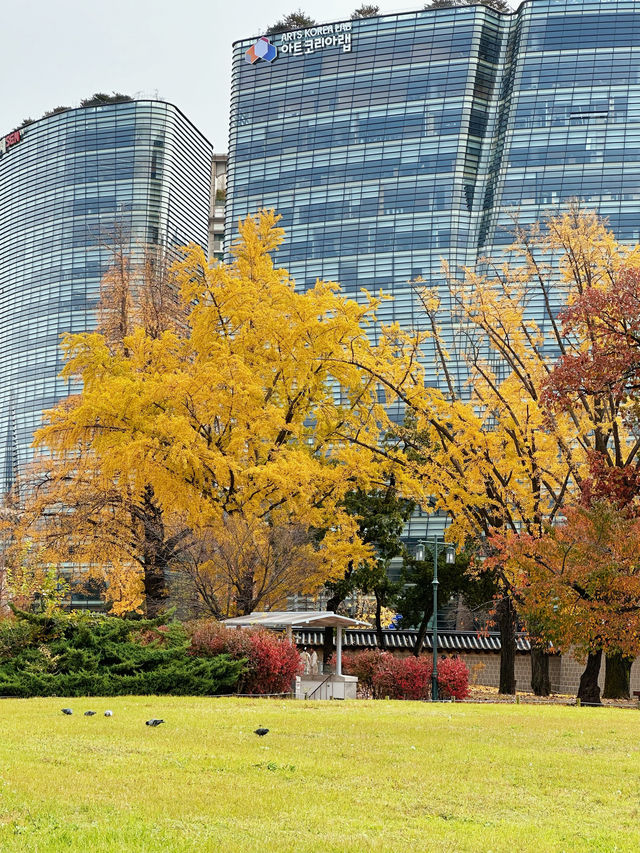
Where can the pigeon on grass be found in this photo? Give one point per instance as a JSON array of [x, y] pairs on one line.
[[67, 711], [153, 722], [261, 732], [108, 713], [90, 713]]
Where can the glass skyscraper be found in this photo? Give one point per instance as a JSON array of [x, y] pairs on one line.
[[67, 182], [390, 143]]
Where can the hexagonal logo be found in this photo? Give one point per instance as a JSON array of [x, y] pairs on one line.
[[262, 49]]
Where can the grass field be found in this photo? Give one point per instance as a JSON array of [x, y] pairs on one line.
[[334, 776]]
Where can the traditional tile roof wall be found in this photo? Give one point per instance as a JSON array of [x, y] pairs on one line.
[[448, 641]]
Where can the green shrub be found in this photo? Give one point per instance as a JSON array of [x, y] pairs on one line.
[[15, 637], [90, 654]]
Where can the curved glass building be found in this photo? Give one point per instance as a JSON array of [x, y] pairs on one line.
[[569, 120], [367, 137], [390, 143], [67, 182]]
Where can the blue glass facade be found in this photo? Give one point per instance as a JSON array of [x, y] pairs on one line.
[[374, 151], [390, 143], [570, 119], [66, 182]]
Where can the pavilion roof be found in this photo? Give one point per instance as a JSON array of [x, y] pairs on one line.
[[295, 619]]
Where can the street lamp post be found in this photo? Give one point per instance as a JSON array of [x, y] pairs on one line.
[[450, 558], [434, 625]]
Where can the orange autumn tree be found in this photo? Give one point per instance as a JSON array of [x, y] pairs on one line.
[[603, 375], [581, 583], [257, 415]]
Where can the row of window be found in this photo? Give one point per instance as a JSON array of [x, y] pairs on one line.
[[351, 92], [63, 189], [573, 32], [370, 199]]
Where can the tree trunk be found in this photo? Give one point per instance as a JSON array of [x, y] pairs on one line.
[[422, 631], [540, 680], [507, 623], [589, 691], [617, 677], [155, 591], [379, 634], [244, 593]]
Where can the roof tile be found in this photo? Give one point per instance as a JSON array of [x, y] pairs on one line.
[[449, 641]]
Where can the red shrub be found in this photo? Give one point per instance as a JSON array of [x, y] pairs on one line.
[[382, 674], [209, 638], [403, 678], [364, 666], [272, 661], [453, 678]]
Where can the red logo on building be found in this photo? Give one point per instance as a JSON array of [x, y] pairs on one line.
[[7, 141], [12, 138]]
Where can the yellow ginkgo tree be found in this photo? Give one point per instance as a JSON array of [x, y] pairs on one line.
[[65, 515], [261, 413]]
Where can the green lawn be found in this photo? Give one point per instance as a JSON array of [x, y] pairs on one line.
[[333, 776]]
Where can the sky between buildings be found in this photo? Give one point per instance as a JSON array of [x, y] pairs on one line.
[[56, 52]]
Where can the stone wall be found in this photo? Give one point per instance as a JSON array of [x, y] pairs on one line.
[[484, 670], [571, 670], [564, 672]]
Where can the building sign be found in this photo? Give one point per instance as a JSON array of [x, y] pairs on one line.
[[262, 49], [312, 39], [8, 141]]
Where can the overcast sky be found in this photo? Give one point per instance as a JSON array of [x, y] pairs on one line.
[[56, 52]]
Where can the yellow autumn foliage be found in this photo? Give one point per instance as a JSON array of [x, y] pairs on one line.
[[494, 455], [263, 411]]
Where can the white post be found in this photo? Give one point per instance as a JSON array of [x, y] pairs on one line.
[[339, 650]]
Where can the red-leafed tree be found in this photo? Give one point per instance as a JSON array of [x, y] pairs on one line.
[[598, 377], [598, 374], [606, 318]]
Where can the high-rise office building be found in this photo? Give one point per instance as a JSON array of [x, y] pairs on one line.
[[67, 182], [392, 142]]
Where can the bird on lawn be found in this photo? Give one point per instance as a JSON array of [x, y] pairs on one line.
[[153, 722], [90, 713], [261, 732], [108, 713], [67, 711]]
